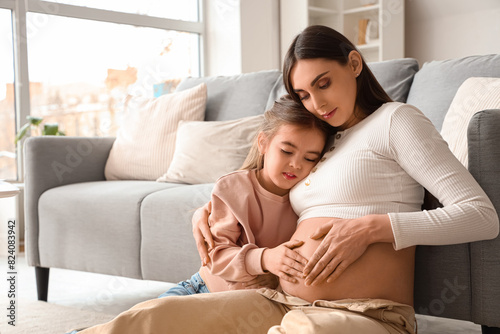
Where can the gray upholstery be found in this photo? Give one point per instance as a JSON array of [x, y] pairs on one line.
[[442, 281], [71, 223], [395, 76], [77, 220], [233, 97], [435, 85], [51, 162], [484, 165], [170, 253]]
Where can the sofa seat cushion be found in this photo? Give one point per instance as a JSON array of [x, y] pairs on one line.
[[94, 226], [168, 251]]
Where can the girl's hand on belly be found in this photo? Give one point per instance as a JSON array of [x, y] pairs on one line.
[[284, 262], [345, 240]]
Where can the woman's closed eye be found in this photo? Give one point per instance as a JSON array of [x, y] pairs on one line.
[[286, 152], [304, 97], [323, 84]]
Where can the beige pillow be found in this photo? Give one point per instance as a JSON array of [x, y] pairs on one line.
[[145, 142], [204, 151], [474, 95]]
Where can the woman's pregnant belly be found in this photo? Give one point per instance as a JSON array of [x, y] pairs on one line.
[[381, 272]]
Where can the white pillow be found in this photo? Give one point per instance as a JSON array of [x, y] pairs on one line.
[[474, 95], [204, 151], [145, 142]]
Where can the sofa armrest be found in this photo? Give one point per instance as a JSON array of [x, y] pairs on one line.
[[484, 164], [52, 161]]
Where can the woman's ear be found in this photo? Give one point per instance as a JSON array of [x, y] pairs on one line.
[[355, 62], [262, 143]]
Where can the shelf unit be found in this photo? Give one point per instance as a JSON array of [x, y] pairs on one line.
[[385, 36]]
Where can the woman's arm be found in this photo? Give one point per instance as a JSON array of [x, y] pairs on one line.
[[468, 215], [201, 232]]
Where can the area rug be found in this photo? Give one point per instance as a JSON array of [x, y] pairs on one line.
[[36, 317]]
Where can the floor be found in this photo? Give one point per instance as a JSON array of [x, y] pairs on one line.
[[112, 295]]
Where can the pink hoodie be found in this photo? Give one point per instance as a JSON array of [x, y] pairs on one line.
[[245, 220]]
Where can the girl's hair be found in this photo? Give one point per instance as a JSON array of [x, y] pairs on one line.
[[323, 42], [284, 111]]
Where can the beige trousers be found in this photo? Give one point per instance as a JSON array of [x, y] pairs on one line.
[[261, 311]]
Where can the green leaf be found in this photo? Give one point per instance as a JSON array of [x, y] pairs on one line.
[[34, 120], [22, 132], [50, 129]]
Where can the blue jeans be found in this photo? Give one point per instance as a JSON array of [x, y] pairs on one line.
[[188, 287]]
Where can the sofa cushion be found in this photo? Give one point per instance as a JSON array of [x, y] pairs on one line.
[[233, 97], [395, 76], [218, 148], [437, 82], [145, 143], [168, 250], [474, 95], [94, 226]]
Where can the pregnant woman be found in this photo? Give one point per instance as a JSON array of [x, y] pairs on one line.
[[359, 214]]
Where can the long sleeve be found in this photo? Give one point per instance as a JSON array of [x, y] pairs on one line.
[[468, 215], [232, 259], [245, 220]]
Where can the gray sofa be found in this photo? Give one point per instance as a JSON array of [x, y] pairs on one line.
[[75, 219]]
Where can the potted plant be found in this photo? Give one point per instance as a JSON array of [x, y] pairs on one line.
[[33, 124]]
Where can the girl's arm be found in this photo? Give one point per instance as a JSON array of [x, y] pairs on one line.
[[201, 232], [235, 255]]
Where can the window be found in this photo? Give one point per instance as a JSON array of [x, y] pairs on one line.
[[8, 169], [81, 70], [82, 57], [186, 10]]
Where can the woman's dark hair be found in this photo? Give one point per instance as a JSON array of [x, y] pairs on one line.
[[323, 42], [284, 111]]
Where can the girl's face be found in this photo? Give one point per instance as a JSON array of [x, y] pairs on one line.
[[328, 89], [289, 156]]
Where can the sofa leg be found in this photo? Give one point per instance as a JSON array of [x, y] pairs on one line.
[[42, 282], [490, 330]]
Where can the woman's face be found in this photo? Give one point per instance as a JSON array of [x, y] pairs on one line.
[[328, 89]]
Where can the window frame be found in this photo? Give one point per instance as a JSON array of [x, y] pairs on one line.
[[20, 8]]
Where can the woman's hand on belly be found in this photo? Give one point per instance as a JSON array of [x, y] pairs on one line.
[[284, 262], [345, 240], [380, 272]]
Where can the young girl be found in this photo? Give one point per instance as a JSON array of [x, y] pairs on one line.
[[252, 219]]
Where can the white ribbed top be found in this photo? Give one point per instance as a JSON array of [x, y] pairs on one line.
[[381, 165]]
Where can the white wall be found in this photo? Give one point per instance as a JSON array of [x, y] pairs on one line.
[[222, 42], [260, 39], [444, 29], [241, 36]]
